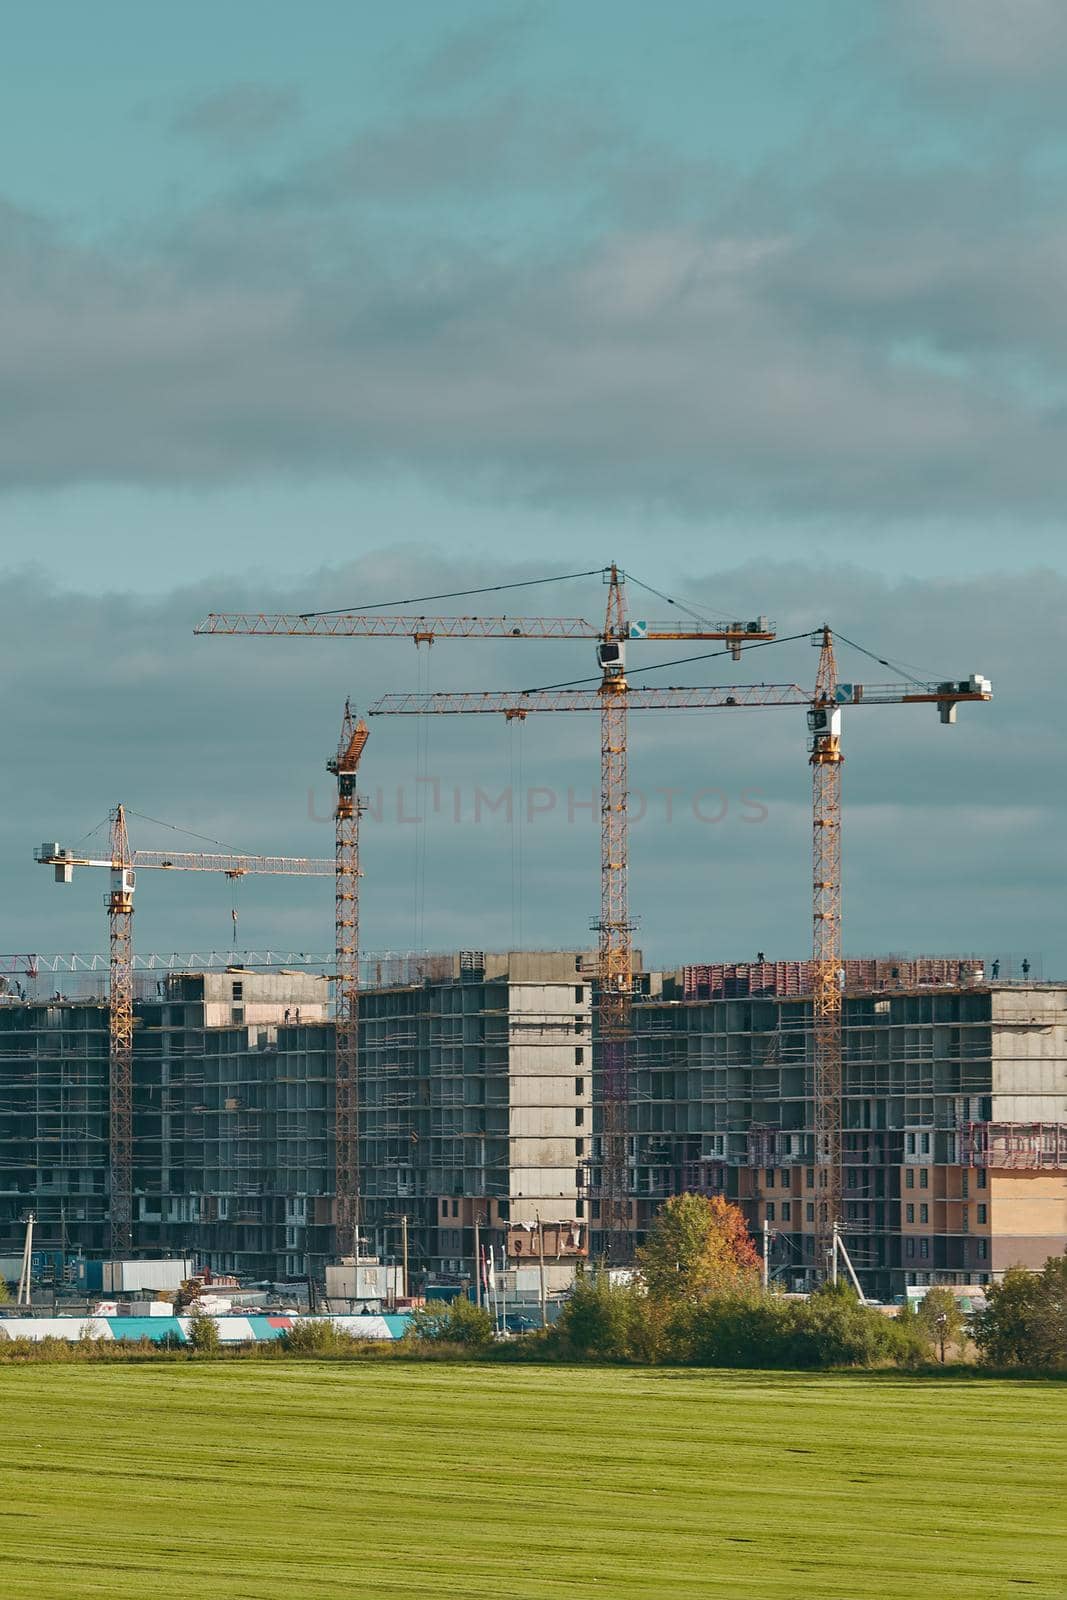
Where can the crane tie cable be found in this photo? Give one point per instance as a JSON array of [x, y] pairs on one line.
[[894, 666], [658, 666], [203, 837], [453, 594]]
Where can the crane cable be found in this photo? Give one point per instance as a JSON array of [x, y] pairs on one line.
[[188, 832], [452, 594], [762, 644], [707, 655], [894, 666], [680, 605]]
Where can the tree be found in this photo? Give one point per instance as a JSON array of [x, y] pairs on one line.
[[1025, 1320], [459, 1322], [940, 1318], [696, 1247], [1052, 1320]]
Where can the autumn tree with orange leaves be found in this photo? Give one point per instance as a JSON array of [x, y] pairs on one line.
[[698, 1247]]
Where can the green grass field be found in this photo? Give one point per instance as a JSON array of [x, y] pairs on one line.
[[282, 1481]]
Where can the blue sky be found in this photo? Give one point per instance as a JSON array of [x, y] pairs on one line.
[[762, 300]]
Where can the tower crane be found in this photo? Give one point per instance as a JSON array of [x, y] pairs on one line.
[[823, 706], [344, 766], [124, 863], [614, 928], [825, 756]]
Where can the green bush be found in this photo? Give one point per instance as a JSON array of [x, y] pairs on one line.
[[829, 1329], [459, 1321], [749, 1328], [832, 1329], [604, 1321], [311, 1337], [735, 1331]]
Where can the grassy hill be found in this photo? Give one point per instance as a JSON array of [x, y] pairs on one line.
[[301, 1479]]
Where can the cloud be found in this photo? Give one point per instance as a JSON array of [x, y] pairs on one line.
[[480, 297], [509, 142], [856, 365], [995, 42], [238, 116], [468, 53], [948, 831]]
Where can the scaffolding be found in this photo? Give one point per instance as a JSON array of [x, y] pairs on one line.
[[1014, 1146], [722, 1102]]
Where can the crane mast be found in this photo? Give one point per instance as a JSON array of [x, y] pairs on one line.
[[120, 1036], [824, 723], [614, 931], [344, 765]]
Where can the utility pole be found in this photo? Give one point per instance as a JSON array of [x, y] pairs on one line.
[[477, 1259], [541, 1270], [404, 1249], [838, 1252], [23, 1296]]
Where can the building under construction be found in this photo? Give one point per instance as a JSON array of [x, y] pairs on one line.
[[953, 1113], [477, 1105], [481, 1109], [232, 1122]]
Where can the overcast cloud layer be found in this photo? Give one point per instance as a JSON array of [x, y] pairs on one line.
[[763, 298], [490, 284]]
